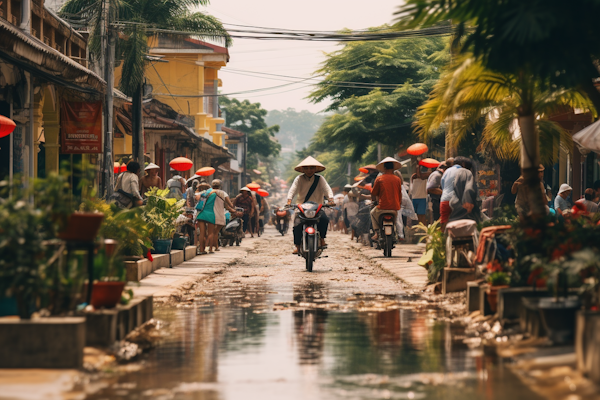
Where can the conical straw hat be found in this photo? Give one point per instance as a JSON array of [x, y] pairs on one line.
[[397, 164], [310, 162]]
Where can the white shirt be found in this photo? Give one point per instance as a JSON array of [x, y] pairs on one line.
[[302, 184]]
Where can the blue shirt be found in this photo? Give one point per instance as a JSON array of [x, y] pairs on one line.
[[561, 203], [448, 183]]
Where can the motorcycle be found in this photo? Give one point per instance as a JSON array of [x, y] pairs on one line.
[[310, 248], [282, 220], [233, 232], [387, 233]]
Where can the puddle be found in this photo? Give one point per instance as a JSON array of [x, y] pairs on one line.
[[311, 342]]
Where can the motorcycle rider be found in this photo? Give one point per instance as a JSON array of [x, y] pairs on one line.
[[388, 191], [309, 186]]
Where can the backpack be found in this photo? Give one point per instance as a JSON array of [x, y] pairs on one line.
[[202, 201]]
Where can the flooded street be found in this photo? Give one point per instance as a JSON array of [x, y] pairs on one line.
[[333, 334]]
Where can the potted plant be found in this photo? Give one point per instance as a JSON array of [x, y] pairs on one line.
[[160, 214], [434, 259], [497, 279]]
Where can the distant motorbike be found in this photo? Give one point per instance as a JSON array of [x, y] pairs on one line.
[[310, 213], [282, 220], [233, 232], [387, 233]]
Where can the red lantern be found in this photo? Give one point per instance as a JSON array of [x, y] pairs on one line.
[[181, 164], [205, 171], [123, 168], [253, 186], [262, 193], [116, 167], [417, 149], [7, 126], [429, 163]]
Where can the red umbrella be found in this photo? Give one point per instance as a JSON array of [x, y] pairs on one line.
[[205, 171], [7, 126], [181, 164], [253, 186], [429, 163], [262, 193], [417, 149]]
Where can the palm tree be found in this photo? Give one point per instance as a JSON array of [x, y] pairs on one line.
[[542, 41], [467, 93], [135, 22]]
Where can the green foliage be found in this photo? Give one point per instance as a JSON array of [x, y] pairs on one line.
[[506, 215], [160, 213], [435, 242], [542, 39], [585, 264], [394, 78], [498, 278]]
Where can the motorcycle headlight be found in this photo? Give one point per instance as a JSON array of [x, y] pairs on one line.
[[310, 213]]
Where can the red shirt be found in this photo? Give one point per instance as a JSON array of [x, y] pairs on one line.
[[388, 188]]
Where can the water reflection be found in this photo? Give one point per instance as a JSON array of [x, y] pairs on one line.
[[231, 345]]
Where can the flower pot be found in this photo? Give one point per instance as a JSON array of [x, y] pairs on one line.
[[82, 227], [558, 317], [584, 339], [179, 243], [162, 246], [107, 294], [492, 296]]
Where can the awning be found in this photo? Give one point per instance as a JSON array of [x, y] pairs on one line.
[[43, 61], [589, 137]]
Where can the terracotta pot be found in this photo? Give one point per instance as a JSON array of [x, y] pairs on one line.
[[107, 294], [82, 227], [492, 296]]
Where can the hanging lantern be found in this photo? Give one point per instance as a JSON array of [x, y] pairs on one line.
[[205, 171], [253, 186], [417, 149], [262, 193], [123, 168], [7, 126], [181, 164], [116, 167], [429, 163]]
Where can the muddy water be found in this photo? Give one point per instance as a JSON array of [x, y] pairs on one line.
[[308, 342]]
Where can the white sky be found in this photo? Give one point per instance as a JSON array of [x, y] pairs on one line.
[[284, 57]]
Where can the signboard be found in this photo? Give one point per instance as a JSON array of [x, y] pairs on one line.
[[488, 180], [80, 127]]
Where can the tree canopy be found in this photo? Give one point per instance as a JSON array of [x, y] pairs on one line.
[[249, 118], [375, 89]]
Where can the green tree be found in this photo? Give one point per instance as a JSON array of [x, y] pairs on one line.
[[376, 88], [544, 41], [467, 95], [135, 22], [296, 127], [249, 118]]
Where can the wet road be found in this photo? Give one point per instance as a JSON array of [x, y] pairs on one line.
[[265, 329]]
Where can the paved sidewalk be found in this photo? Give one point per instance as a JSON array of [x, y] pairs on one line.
[[167, 281], [403, 263]]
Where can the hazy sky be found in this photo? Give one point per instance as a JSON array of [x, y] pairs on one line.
[[291, 58]]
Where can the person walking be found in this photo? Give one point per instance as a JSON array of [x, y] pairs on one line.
[[464, 197], [387, 190], [211, 210], [127, 188], [244, 200], [190, 194], [309, 186], [176, 186], [434, 187], [418, 191], [447, 192], [151, 179]]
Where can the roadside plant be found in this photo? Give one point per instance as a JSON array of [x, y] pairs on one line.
[[434, 258], [585, 265], [160, 213], [498, 278]]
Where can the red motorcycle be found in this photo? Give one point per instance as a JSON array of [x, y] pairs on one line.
[[282, 220], [310, 213]]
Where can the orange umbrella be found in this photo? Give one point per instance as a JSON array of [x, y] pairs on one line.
[[417, 149], [262, 193], [7, 125], [429, 163], [181, 164], [358, 178], [253, 186], [368, 168], [205, 171]]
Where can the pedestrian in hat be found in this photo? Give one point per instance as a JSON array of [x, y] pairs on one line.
[[523, 192], [244, 200], [434, 187], [176, 186], [309, 186], [561, 203], [151, 179], [387, 190]]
